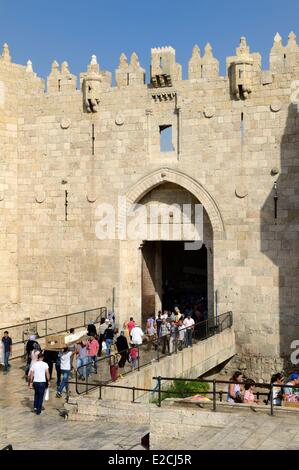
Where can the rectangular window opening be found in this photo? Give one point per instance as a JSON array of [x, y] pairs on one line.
[[166, 144]]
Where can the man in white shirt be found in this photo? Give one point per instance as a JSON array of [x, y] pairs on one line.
[[182, 335], [38, 376], [189, 323], [164, 315], [136, 335], [66, 358]]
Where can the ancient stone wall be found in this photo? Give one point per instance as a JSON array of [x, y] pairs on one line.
[[68, 148]]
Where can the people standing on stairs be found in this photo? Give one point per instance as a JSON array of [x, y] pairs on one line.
[[136, 335], [114, 362], [173, 337], [102, 328], [122, 348], [133, 356], [189, 325], [165, 329], [131, 324], [92, 353], [109, 337], [158, 324], [91, 329], [82, 359], [65, 364]]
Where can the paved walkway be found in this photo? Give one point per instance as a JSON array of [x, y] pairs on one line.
[[23, 429]]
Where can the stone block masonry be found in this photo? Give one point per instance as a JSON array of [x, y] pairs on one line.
[[233, 138]]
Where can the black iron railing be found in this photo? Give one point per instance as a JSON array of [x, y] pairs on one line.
[[214, 392], [158, 390], [8, 447], [50, 326], [103, 370]]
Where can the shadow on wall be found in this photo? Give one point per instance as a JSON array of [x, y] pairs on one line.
[[280, 241]]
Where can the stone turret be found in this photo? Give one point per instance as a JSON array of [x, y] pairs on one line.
[[203, 67], [282, 58], [68, 81], [127, 75], [209, 63], [29, 68], [244, 70], [93, 83], [164, 69], [195, 64], [5, 53], [53, 83], [61, 80]]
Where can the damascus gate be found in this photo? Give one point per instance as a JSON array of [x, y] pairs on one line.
[[77, 155]]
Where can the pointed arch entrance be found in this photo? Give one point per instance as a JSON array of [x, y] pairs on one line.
[[143, 263]]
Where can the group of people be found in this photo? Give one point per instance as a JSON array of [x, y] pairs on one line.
[[172, 329], [283, 389]]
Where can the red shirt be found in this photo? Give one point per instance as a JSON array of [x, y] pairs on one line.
[[134, 353], [92, 348], [131, 325]]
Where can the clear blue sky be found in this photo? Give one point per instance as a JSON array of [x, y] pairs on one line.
[[72, 30]]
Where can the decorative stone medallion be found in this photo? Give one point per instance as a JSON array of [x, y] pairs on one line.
[[209, 111], [40, 197], [241, 192], [91, 197], [119, 120], [275, 106], [65, 123], [274, 171]]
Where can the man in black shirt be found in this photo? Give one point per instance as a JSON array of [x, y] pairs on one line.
[[7, 349]]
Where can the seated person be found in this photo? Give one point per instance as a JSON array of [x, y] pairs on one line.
[[277, 392], [290, 394], [248, 395]]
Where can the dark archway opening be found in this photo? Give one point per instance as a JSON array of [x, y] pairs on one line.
[[184, 275], [173, 276]]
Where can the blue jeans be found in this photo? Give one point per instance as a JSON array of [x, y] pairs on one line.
[[108, 343], [92, 360], [64, 382], [189, 337], [6, 357], [39, 391], [81, 362]]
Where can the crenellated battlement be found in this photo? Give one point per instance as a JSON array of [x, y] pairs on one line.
[[243, 70]]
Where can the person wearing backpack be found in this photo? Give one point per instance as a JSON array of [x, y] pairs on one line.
[[109, 336]]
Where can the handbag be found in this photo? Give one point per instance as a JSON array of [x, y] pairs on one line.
[[47, 394]]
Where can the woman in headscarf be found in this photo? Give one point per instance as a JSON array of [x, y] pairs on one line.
[[122, 348]]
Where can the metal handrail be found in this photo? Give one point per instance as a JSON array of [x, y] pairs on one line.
[[159, 390], [8, 447], [227, 382], [216, 327], [44, 324]]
